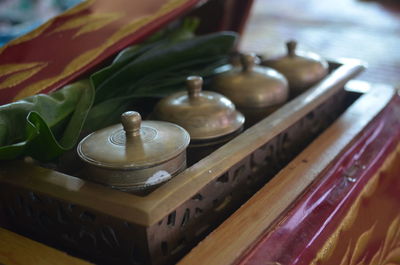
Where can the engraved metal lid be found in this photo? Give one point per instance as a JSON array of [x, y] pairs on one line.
[[251, 85], [134, 144], [302, 69], [204, 114]]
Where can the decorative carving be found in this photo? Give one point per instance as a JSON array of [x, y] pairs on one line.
[[109, 237], [171, 219], [164, 248], [93, 234], [220, 198], [198, 197], [68, 225], [185, 218], [87, 216], [62, 215], [223, 179], [87, 238]]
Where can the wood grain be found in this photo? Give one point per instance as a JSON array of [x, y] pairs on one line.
[[16, 249]]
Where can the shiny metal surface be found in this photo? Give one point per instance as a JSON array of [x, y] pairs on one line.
[[134, 154], [302, 69], [205, 115], [251, 87]]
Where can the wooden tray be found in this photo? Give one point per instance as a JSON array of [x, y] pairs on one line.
[[120, 228]]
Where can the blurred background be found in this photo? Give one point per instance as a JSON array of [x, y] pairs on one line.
[[366, 30], [18, 17]]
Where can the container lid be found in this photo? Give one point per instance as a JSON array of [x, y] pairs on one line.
[[204, 114], [250, 85], [302, 69], [133, 144]]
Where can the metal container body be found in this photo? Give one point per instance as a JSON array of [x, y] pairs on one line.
[[126, 180], [135, 155], [302, 69], [255, 90], [210, 118], [206, 115]]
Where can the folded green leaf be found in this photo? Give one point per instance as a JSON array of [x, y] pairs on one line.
[[123, 80], [26, 125]]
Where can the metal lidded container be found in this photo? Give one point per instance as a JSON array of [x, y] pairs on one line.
[[255, 90], [210, 118], [136, 155], [302, 69]]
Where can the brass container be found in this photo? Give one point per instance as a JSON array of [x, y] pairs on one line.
[[210, 118], [255, 90], [134, 156], [302, 69]]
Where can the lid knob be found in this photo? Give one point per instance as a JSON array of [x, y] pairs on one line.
[[291, 47], [248, 61], [194, 84], [131, 121]]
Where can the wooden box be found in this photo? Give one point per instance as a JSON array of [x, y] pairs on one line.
[[110, 226]]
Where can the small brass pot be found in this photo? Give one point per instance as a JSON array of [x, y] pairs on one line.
[[134, 156], [302, 69], [210, 118], [255, 90]]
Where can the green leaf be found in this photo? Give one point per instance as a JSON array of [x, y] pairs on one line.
[[42, 144], [76, 123], [106, 113], [124, 79], [25, 126]]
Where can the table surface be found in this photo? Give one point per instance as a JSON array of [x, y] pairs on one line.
[[16, 249]]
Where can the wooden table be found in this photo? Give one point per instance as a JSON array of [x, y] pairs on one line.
[[18, 250]]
